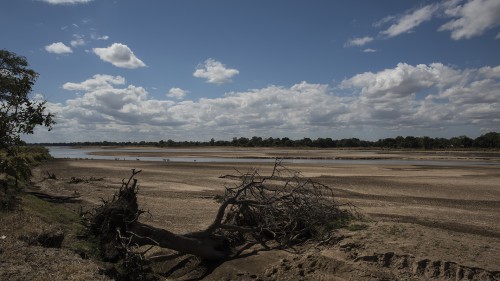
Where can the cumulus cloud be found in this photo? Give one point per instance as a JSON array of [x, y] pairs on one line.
[[407, 22], [177, 93], [472, 19], [412, 97], [111, 108], [105, 102], [431, 96], [215, 72], [57, 2], [360, 41], [98, 81], [58, 48], [119, 55], [403, 80]]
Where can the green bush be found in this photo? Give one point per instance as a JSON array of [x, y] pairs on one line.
[[15, 171]]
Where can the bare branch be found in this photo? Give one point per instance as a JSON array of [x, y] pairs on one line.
[[284, 206]]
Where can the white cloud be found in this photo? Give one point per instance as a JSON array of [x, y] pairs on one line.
[[58, 48], [498, 36], [111, 110], [369, 50], [215, 72], [402, 81], [57, 2], [405, 97], [98, 81], [431, 96], [78, 40], [119, 55], [383, 21], [177, 93], [472, 19], [407, 22], [469, 19], [360, 41], [94, 36]]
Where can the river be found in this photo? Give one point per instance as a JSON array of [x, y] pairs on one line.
[[85, 153]]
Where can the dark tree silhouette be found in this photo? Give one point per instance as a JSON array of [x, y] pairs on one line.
[[18, 113]]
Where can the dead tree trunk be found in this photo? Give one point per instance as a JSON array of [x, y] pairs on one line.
[[207, 247], [117, 226], [285, 207]]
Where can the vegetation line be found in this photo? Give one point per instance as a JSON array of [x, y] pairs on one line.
[[489, 140]]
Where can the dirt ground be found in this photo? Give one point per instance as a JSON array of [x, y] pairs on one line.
[[419, 222]]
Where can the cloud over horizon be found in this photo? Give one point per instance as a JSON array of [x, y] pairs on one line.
[[406, 96]]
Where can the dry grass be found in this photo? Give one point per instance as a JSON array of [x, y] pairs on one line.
[[21, 258]]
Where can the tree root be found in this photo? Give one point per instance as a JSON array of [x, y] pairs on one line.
[[285, 207]]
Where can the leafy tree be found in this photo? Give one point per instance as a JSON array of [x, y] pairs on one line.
[[352, 142], [488, 140], [410, 142], [18, 113], [461, 142]]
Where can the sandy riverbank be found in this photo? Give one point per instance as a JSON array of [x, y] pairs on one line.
[[299, 153], [419, 221]]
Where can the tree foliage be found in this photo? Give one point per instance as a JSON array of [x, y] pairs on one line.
[[489, 140], [19, 114]]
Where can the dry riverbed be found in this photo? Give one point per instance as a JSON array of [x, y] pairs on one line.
[[419, 222]]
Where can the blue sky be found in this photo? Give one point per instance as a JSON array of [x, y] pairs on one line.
[[195, 70]]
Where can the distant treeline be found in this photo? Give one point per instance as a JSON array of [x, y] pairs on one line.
[[489, 140]]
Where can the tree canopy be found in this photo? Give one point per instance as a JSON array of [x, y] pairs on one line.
[[489, 140], [19, 113]]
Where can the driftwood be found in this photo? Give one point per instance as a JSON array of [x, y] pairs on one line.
[[285, 207], [75, 180], [55, 198]]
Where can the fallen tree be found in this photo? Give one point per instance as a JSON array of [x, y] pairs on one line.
[[285, 207]]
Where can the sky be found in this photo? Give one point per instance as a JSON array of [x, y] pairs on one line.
[[129, 70]]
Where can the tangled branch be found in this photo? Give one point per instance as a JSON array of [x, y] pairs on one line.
[[285, 206]]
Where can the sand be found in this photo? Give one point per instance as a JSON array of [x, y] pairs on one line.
[[419, 222]]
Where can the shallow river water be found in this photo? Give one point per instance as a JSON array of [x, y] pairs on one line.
[[84, 153]]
